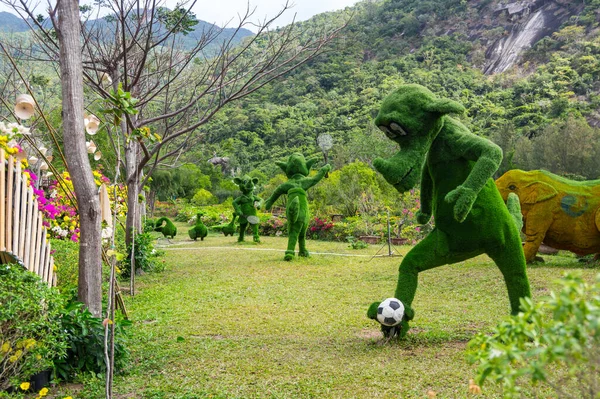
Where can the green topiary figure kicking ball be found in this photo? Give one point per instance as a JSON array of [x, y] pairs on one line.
[[455, 169], [296, 169]]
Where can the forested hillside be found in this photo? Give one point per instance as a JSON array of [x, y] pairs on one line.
[[541, 108], [11, 23]]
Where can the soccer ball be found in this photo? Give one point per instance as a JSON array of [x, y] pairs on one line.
[[390, 312]]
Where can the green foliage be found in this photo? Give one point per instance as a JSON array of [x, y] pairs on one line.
[[149, 225], [554, 342], [66, 261], [31, 336], [356, 243], [145, 255], [181, 182], [118, 104], [85, 340], [204, 197], [569, 147], [353, 189], [179, 20]]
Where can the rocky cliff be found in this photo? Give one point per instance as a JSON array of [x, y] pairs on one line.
[[524, 23]]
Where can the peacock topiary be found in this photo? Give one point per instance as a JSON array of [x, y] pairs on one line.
[[168, 229], [199, 230]]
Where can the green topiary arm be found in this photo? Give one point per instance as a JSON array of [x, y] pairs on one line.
[[237, 208], [487, 157], [260, 201], [279, 191], [308, 182], [424, 214]]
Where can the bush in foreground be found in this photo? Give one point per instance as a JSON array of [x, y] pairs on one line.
[[553, 344]]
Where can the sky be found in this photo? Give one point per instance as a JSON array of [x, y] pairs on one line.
[[222, 12]]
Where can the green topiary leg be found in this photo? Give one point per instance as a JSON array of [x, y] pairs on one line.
[[302, 242], [255, 233], [431, 252], [243, 227], [511, 262], [292, 239]]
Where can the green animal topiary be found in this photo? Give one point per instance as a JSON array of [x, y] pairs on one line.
[[199, 230], [168, 229], [229, 229], [455, 169], [296, 169], [246, 205]]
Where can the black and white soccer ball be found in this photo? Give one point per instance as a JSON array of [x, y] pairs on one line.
[[390, 312]]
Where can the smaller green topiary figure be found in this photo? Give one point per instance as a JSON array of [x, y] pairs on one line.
[[296, 169], [229, 229], [168, 229], [199, 230], [246, 205]]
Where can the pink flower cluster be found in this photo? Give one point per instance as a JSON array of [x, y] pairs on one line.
[[59, 215]]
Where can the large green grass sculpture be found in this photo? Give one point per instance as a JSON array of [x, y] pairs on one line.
[[455, 168], [199, 230], [168, 229], [296, 169], [245, 206]]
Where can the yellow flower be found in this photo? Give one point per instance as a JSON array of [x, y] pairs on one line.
[[66, 218], [38, 357], [24, 386], [68, 397], [30, 343], [5, 347], [43, 392], [13, 358]]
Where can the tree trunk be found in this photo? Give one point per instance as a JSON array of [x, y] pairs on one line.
[[132, 224], [67, 26]]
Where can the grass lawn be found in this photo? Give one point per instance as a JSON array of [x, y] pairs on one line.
[[238, 322]]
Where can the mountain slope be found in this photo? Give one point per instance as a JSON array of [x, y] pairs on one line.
[[521, 69], [14, 24]]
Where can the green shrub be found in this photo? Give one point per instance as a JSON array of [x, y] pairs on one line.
[[31, 336], [66, 260], [85, 337], [204, 197], [148, 225], [552, 344], [145, 255], [355, 243]]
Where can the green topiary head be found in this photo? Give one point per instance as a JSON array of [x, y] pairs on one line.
[[246, 184], [297, 165], [412, 116]]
